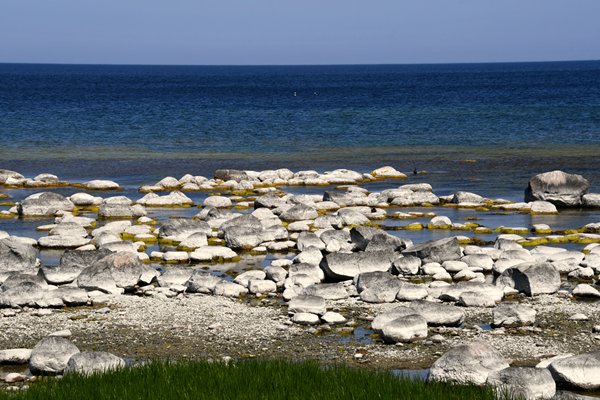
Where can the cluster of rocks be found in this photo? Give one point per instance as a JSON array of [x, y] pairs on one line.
[[16, 180], [478, 363], [233, 179], [384, 270], [56, 355]]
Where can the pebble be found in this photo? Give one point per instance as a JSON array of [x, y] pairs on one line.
[[579, 317]]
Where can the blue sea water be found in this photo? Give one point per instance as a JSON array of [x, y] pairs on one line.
[[140, 123]]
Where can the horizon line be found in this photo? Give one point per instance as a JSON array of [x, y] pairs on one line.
[[300, 65]]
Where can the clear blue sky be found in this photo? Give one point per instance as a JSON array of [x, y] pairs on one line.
[[297, 31]]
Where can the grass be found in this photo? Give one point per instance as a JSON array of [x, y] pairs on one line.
[[248, 379]]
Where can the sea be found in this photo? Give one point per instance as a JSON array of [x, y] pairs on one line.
[[480, 127]]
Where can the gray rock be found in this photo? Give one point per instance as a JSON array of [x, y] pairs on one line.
[[310, 255], [411, 291], [243, 237], [509, 314], [126, 268], [438, 314], [307, 304], [229, 289], [262, 286], [117, 210], [275, 273], [62, 241], [78, 260], [466, 197], [98, 277], [558, 188], [51, 355], [525, 383], [314, 271], [478, 262], [362, 235], [303, 318], [93, 362], [591, 200], [101, 185], [217, 202], [16, 255], [410, 198], [340, 198], [202, 282], [231, 175], [407, 265], [341, 236], [377, 287], [474, 299], [342, 266], [299, 212], [333, 318], [6, 174], [15, 356], [381, 320], [309, 239], [268, 201], [543, 207], [180, 228], [26, 293], [531, 278], [44, 204], [484, 290], [436, 251], [585, 290], [405, 329], [193, 242], [71, 296], [328, 291], [245, 277], [580, 371], [175, 277], [386, 242], [566, 395], [15, 279], [467, 364]]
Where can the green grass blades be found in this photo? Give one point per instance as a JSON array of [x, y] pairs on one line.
[[251, 379]]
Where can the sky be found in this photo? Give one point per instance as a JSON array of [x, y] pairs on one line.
[[251, 32]]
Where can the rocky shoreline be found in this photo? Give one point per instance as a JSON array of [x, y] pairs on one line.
[[342, 284]]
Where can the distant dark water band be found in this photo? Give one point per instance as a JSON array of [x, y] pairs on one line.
[[324, 154]]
